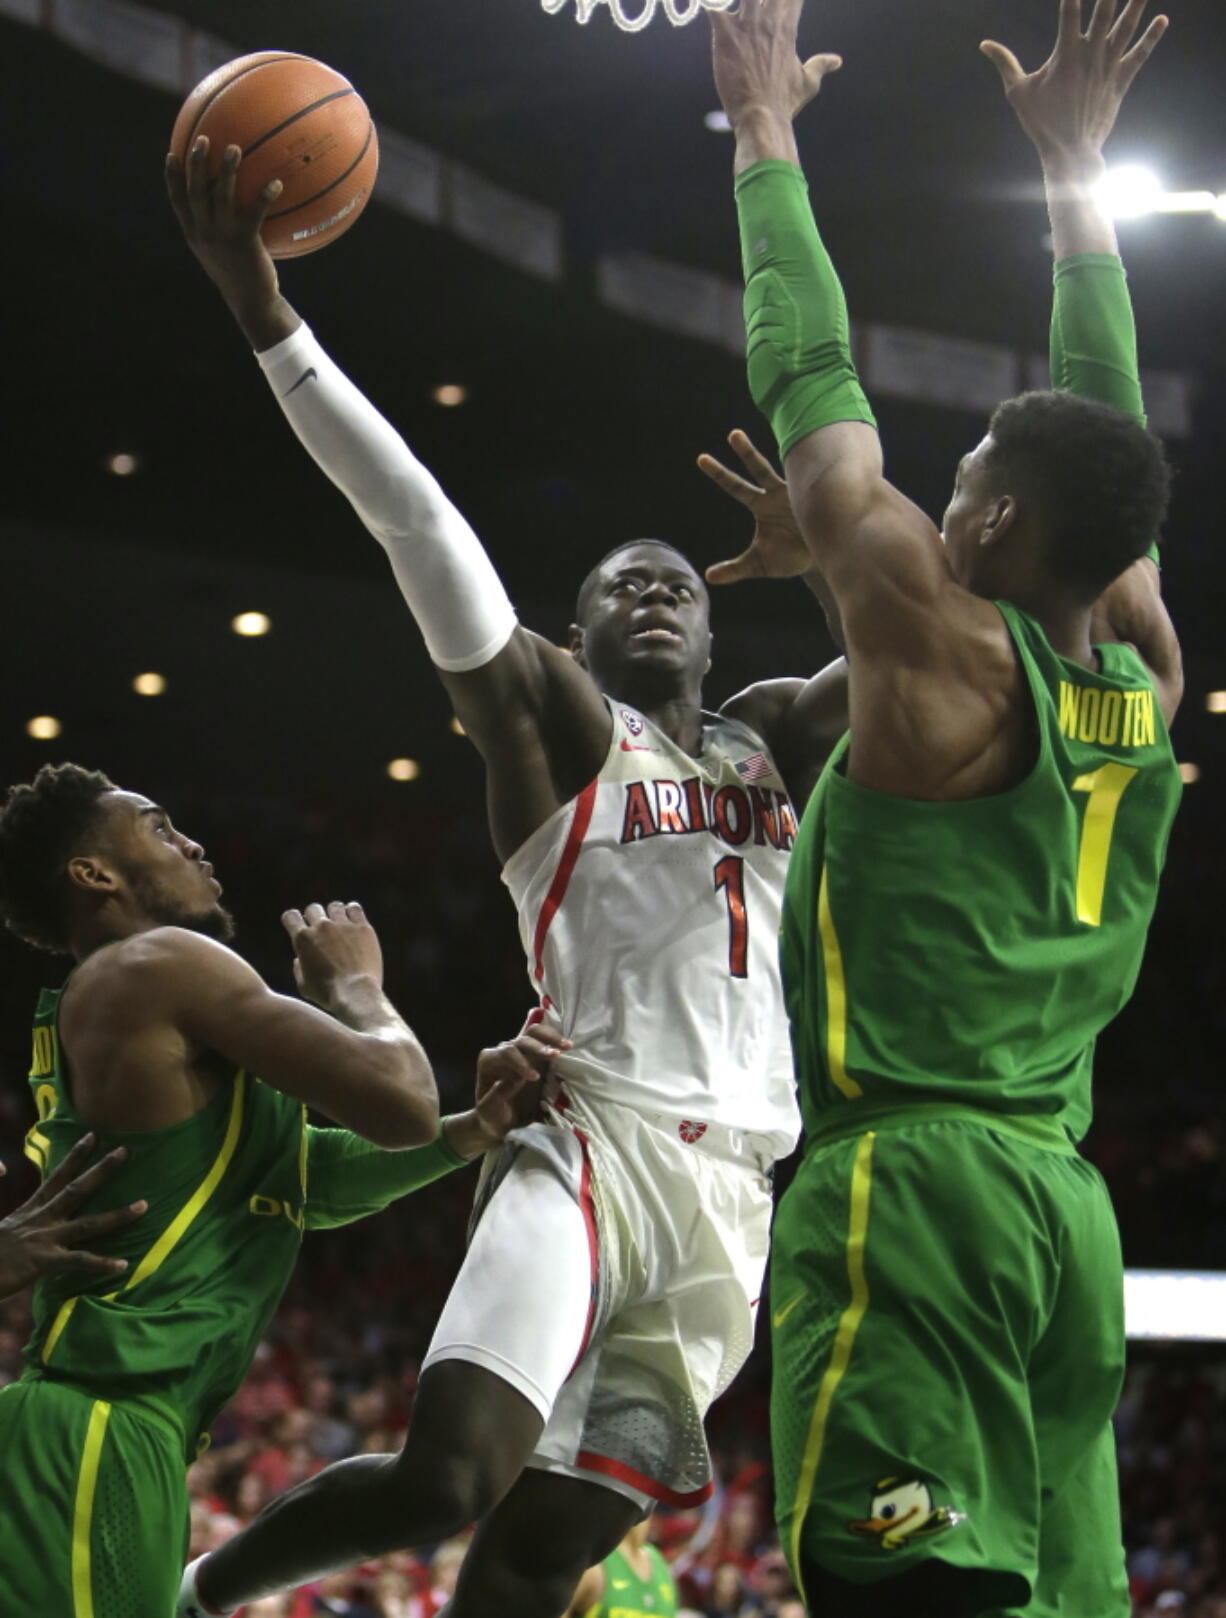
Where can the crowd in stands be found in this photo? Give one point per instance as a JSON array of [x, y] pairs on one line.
[[337, 1378]]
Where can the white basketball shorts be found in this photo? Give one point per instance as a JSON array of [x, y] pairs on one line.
[[612, 1278]]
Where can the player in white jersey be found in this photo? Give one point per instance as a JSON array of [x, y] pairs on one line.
[[609, 1290]]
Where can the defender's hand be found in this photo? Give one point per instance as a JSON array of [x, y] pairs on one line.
[[332, 947], [1068, 107], [227, 242], [757, 68], [509, 1079], [39, 1238], [777, 549]]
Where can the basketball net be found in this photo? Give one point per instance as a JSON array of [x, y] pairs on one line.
[[678, 12]]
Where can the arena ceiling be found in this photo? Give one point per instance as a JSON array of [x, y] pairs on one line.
[[582, 425]]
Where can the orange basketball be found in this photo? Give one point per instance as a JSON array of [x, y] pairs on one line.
[[297, 121]]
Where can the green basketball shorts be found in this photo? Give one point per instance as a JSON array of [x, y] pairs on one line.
[[948, 1336], [93, 1506]]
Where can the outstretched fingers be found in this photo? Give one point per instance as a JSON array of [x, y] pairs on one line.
[[1006, 64], [1135, 60], [64, 1193], [1102, 19], [736, 569], [752, 459], [729, 481]]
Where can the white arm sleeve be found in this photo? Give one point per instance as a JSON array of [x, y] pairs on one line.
[[443, 572]]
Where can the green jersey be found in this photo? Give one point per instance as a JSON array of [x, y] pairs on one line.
[[969, 953], [228, 1201], [626, 1595]]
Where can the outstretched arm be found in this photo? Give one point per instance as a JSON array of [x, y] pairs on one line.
[[536, 717], [349, 1179], [1068, 107], [146, 1010]]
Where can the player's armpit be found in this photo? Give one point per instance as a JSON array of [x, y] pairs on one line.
[[542, 727], [1131, 609], [800, 720]]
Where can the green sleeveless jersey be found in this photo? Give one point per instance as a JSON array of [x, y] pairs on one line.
[[628, 1596], [207, 1263], [969, 953]]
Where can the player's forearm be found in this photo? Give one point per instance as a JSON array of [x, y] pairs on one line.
[[764, 134], [445, 576], [264, 322], [348, 1178], [394, 1100], [1093, 334]]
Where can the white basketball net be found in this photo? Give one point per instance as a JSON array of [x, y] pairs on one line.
[[678, 12]]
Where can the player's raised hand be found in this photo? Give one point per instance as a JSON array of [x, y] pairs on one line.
[[44, 1236], [757, 67], [777, 550], [1068, 106], [227, 241], [332, 947]]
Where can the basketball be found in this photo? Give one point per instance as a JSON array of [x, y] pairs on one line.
[[297, 121]]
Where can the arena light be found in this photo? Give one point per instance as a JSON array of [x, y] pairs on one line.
[[404, 769], [1189, 773], [1131, 191], [1186, 202], [718, 122], [149, 685], [450, 395], [43, 727], [1175, 1305], [1215, 702], [251, 623], [1220, 209], [122, 465]]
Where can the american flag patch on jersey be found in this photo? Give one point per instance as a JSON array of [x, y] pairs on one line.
[[754, 767]]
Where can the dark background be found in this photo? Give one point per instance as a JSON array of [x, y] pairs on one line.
[[580, 430]]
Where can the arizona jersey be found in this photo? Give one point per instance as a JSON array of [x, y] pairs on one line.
[[649, 910]]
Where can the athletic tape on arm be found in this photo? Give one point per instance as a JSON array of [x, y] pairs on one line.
[[443, 572], [801, 373]]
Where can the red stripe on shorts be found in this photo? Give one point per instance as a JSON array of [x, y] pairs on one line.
[[638, 1480], [587, 1208], [584, 804]]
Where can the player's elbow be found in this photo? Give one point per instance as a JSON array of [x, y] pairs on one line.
[[409, 1114]]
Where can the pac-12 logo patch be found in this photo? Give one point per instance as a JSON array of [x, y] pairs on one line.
[[632, 722], [901, 1510], [690, 1131]]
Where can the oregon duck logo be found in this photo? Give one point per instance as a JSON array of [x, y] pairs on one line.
[[902, 1510]]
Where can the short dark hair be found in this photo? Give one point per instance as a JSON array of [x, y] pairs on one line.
[[586, 589], [1098, 479], [42, 825]]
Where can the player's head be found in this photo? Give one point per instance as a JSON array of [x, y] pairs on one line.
[[1062, 495], [642, 621], [81, 859]]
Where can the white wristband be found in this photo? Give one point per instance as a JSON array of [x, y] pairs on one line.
[[443, 572]]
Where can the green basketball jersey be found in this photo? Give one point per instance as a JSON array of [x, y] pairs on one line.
[[626, 1595], [969, 953], [207, 1263]]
